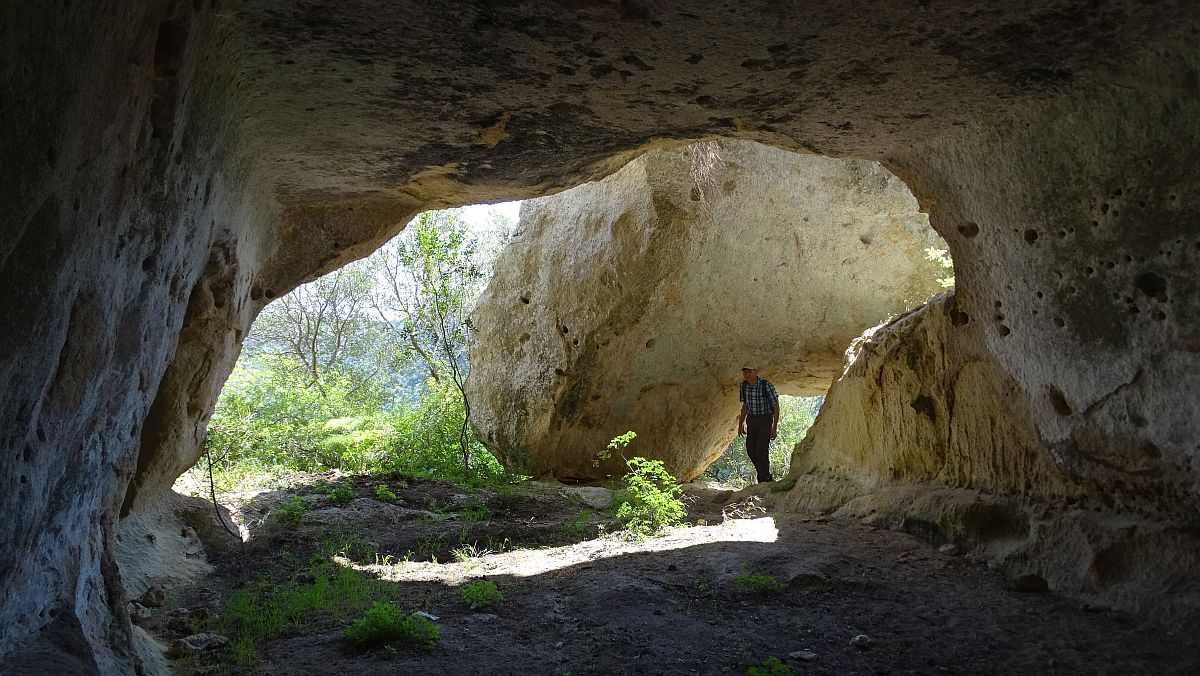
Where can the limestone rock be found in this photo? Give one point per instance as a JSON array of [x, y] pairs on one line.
[[197, 643], [632, 303]]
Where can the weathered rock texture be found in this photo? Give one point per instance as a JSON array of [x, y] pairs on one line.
[[632, 303], [170, 166], [1057, 382]]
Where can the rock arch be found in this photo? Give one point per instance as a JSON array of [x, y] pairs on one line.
[[632, 303], [180, 163]]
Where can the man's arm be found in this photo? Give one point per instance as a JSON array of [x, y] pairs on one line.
[[774, 413], [742, 421]]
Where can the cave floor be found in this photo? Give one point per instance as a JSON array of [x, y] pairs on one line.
[[576, 602]]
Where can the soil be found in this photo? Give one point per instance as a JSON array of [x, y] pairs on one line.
[[576, 602]]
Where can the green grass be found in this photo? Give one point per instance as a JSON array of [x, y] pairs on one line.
[[384, 623], [291, 510], [481, 594], [342, 494], [770, 667], [759, 584], [270, 607], [384, 493]]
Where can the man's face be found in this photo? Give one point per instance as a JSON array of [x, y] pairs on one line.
[[750, 375]]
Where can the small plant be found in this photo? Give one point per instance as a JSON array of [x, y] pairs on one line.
[[617, 445], [474, 511], [292, 509], [467, 552], [342, 494], [579, 524], [782, 486], [481, 594], [384, 493], [759, 583], [384, 623], [651, 499], [770, 667]]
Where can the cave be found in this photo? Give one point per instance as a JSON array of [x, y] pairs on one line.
[[173, 166]]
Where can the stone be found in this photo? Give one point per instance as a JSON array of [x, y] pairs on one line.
[[803, 655], [949, 549], [175, 166], [596, 497], [660, 301], [196, 644], [861, 641], [138, 613]]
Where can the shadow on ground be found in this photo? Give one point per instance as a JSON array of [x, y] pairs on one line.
[[579, 604]]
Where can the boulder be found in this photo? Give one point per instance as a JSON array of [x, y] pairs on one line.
[[632, 303]]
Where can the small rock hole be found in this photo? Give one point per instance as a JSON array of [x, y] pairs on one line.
[[1031, 235], [1058, 321], [525, 300], [1004, 330], [1059, 402], [650, 343], [969, 229]]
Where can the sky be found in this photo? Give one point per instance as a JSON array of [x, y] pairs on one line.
[[479, 216]]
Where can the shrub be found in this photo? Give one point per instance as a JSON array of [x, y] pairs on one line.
[[760, 584], [342, 494], [292, 509], [384, 623], [770, 667], [481, 594], [650, 501], [384, 493]]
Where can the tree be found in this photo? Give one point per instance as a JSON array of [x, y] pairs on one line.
[[428, 276], [326, 326]]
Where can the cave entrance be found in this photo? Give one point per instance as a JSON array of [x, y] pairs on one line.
[[359, 371]]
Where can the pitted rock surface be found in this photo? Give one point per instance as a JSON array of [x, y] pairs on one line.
[[632, 303], [173, 166]]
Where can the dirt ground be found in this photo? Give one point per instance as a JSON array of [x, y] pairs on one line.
[[576, 602]]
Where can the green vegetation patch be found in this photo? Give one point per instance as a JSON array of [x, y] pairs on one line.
[[384, 493], [384, 624], [481, 594], [342, 494], [651, 500], [759, 584], [770, 667], [291, 510]]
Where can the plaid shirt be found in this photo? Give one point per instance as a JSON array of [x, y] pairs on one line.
[[760, 397]]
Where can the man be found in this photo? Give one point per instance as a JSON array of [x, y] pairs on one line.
[[759, 420]]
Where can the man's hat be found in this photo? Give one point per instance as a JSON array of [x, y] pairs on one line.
[[749, 368]]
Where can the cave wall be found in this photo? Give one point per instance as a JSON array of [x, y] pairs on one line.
[[1055, 376], [121, 190], [633, 302], [174, 165]]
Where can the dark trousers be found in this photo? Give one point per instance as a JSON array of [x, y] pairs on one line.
[[758, 444]]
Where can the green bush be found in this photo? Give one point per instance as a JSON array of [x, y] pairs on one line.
[[342, 494], [292, 509], [759, 584], [384, 493], [770, 667], [480, 594], [650, 501], [384, 623]]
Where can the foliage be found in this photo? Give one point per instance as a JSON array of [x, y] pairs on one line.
[[384, 493], [325, 377], [941, 257], [431, 274], [616, 445], [796, 415], [342, 494], [650, 501], [480, 594], [384, 623], [292, 509], [268, 608], [759, 584], [770, 667]]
